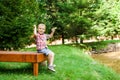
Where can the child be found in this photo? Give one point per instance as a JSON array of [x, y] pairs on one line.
[[41, 44]]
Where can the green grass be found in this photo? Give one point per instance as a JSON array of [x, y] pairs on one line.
[[98, 45], [72, 64]]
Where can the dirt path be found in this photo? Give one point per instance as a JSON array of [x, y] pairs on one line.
[[111, 59]]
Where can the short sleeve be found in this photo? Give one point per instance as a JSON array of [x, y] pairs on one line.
[[47, 36]]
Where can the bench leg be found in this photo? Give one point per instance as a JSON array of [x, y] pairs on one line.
[[35, 69]]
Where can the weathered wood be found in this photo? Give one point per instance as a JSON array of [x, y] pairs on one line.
[[14, 56]]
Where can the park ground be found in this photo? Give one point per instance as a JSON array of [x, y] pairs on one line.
[[72, 64]]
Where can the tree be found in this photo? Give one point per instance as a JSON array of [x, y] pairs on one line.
[[106, 18], [16, 19], [81, 22], [56, 15]]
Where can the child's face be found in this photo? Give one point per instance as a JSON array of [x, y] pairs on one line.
[[41, 29]]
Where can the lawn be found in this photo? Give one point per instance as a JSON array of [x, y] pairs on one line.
[[72, 64]]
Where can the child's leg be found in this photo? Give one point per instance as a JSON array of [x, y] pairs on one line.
[[50, 59]]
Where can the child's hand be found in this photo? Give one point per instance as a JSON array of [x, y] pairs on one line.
[[34, 26], [53, 29]]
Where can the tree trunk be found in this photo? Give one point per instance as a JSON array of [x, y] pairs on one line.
[[63, 42], [112, 37], [81, 40], [76, 39]]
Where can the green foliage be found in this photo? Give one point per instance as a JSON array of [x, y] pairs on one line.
[[16, 19], [106, 20], [66, 15], [73, 18]]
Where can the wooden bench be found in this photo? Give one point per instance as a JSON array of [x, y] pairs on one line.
[[30, 57]]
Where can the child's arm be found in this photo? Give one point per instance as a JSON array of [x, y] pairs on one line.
[[53, 31], [35, 30]]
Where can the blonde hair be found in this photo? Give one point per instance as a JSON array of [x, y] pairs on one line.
[[41, 24]]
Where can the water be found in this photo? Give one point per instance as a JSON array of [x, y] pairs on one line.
[[111, 59]]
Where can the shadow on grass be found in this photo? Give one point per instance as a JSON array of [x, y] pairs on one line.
[[22, 70]]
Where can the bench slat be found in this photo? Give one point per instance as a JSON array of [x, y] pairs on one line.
[[11, 56]]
